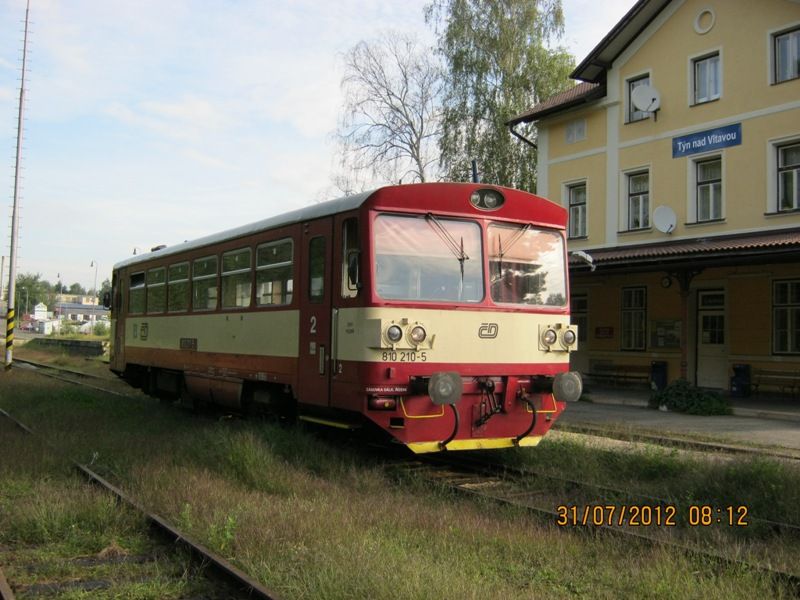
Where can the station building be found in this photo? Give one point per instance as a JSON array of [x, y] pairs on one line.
[[678, 157]]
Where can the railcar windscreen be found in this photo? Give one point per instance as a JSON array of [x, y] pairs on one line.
[[428, 259], [526, 265]]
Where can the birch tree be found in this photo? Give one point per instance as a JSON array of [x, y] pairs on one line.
[[498, 63], [390, 124]]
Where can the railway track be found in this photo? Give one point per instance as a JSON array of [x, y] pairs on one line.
[[677, 442], [71, 376], [200, 572], [533, 492], [530, 490]]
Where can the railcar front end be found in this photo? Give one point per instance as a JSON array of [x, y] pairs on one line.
[[465, 340]]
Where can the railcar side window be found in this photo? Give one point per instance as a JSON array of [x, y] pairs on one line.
[[316, 270], [350, 258], [178, 287], [526, 265], [136, 294], [236, 278], [156, 290], [274, 279], [204, 283]]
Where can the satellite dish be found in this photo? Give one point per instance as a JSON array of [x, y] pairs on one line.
[[664, 219], [646, 98]]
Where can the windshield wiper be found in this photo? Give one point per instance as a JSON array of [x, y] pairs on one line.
[[511, 241], [454, 246]]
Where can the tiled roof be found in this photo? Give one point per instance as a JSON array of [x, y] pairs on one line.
[[750, 244], [583, 92]]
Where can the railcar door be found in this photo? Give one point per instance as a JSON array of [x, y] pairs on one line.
[[313, 380]]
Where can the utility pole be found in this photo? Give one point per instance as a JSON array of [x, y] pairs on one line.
[[12, 265]]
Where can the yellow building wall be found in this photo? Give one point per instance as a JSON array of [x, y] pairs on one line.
[[593, 171], [768, 113], [740, 34], [596, 128]]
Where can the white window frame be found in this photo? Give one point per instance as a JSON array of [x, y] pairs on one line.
[[790, 30], [633, 338], [795, 171], [583, 228], [575, 131], [712, 196], [792, 315], [691, 188], [694, 62], [627, 176], [632, 115]]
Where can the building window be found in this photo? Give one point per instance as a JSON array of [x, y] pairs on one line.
[[639, 200], [156, 290], [709, 189], [634, 317], [204, 283], [787, 55], [579, 312], [789, 177], [274, 279], [786, 316], [577, 210], [635, 114], [576, 131], [236, 278], [707, 78]]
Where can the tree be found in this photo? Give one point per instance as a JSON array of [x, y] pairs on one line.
[[105, 287], [498, 64], [77, 289], [390, 121], [31, 290]]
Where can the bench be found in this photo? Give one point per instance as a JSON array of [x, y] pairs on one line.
[[784, 381], [617, 374]]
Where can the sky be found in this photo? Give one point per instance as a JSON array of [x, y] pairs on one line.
[[154, 122]]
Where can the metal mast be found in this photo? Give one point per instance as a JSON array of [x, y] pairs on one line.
[[12, 266]]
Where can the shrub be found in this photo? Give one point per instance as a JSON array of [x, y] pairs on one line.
[[681, 396]]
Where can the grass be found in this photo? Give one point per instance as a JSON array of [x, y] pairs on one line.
[[768, 487], [53, 355], [55, 529], [312, 520]]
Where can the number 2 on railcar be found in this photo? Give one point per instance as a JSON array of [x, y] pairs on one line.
[[438, 312]]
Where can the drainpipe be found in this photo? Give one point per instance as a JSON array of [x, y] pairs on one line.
[[516, 133]]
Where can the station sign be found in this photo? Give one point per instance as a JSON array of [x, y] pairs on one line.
[[705, 141]]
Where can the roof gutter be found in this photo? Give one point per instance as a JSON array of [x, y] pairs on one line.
[[516, 133]]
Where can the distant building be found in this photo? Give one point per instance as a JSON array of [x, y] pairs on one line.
[[73, 311], [678, 159], [40, 311]]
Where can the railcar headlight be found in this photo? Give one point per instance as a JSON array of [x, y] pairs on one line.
[[549, 337], [486, 199], [418, 334], [569, 337], [394, 334], [491, 200]]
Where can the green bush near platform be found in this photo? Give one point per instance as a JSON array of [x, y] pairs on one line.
[[681, 396]]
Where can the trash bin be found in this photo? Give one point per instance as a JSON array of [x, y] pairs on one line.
[[658, 374], [740, 382]]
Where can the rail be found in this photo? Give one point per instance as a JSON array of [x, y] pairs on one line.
[[248, 586]]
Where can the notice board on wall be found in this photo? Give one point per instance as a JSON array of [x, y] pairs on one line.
[[665, 333]]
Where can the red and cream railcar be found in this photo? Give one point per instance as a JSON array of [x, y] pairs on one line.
[[438, 312]]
